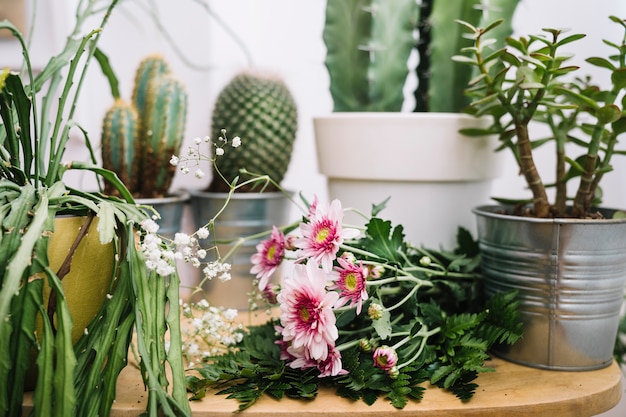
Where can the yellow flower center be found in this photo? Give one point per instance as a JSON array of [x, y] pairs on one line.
[[304, 314], [351, 281], [322, 234], [271, 252]]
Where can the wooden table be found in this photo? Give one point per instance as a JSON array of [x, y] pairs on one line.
[[512, 390]]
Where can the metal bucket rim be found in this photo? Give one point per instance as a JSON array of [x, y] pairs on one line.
[[241, 196], [490, 211], [173, 197]]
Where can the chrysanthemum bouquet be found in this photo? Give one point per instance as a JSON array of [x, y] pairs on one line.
[[358, 309]]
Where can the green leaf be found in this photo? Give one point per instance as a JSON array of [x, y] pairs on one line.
[[608, 114], [382, 326], [600, 62], [618, 77]]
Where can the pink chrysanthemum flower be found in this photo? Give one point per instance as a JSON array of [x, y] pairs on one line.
[[385, 358], [306, 316], [331, 366], [351, 282], [269, 256], [322, 235]]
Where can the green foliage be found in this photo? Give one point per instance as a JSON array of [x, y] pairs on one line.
[[139, 139], [262, 112], [369, 43], [81, 379], [434, 315], [530, 80]]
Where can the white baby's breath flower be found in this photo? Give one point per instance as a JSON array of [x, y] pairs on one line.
[[202, 233], [207, 139], [174, 160], [182, 239], [184, 170], [199, 174], [236, 142], [197, 140], [219, 151], [149, 225]]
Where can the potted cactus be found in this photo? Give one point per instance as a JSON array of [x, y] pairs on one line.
[[139, 139], [563, 251], [260, 110], [371, 50]]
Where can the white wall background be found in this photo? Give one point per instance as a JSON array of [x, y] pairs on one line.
[[284, 36]]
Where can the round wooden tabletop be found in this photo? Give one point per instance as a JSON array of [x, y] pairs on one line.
[[512, 390]]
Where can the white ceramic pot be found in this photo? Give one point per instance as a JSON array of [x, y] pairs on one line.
[[433, 174]]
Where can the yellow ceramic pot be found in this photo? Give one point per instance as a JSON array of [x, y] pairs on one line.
[[89, 279]]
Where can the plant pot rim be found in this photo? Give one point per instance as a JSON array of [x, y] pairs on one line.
[[172, 197], [494, 211], [394, 115], [241, 196]]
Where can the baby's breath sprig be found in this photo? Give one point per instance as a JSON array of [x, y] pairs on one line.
[[209, 331]]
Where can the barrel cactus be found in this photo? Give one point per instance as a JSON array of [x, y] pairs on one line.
[[139, 139], [260, 110]]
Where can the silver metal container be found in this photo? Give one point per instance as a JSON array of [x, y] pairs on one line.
[[247, 214], [170, 208], [570, 274]]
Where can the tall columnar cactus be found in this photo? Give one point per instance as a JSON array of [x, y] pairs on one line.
[[119, 142], [261, 110], [369, 43], [139, 152]]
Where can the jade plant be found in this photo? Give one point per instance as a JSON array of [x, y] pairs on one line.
[[369, 43], [36, 116], [530, 81], [139, 138], [260, 110]]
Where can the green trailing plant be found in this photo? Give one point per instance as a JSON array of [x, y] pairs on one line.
[[139, 139], [369, 43], [530, 81], [37, 114], [261, 110]]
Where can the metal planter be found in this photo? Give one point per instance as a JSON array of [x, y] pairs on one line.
[[570, 274], [247, 214], [170, 208]]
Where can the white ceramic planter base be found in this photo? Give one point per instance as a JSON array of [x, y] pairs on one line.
[[434, 175]]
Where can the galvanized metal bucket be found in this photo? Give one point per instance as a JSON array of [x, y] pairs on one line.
[[570, 274], [170, 208], [247, 214]]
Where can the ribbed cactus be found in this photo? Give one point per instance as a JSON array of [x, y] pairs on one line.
[[369, 43], [140, 152], [261, 110], [119, 144]]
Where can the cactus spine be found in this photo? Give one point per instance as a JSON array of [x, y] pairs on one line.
[[160, 104], [261, 110]]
